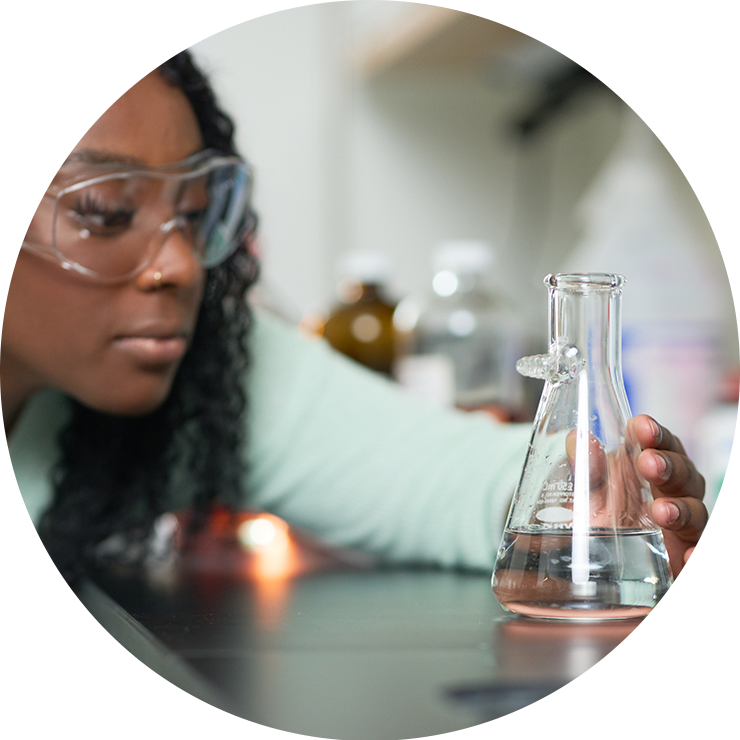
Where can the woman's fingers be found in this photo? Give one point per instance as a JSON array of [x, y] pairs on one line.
[[671, 474], [677, 486], [685, 517], [649, 433]]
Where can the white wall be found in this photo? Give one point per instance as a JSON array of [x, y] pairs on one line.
[[278, 77], [394, 164], [426, 167], [434, 159]]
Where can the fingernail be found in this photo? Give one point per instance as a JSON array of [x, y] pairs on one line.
[[673, 512], [661, 466], [657, 433]]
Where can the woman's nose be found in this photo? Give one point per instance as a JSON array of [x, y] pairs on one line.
[[176, 262]]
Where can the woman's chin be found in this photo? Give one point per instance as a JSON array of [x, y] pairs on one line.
[[135, 402]]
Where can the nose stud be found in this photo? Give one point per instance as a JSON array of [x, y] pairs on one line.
[[157, 280]]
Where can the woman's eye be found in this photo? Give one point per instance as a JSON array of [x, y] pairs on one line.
[[195, 216], [195, 212], [102, 220]]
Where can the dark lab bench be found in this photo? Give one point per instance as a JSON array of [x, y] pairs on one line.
[[340, 651]]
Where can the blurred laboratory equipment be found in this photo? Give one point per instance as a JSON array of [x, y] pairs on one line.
[[579, 542], [360, 326], [635, 223], [459, 345]]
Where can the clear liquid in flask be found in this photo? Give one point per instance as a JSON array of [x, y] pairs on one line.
[[616, 575]]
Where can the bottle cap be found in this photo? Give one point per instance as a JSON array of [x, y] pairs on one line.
[[467, 256], [367, 267]]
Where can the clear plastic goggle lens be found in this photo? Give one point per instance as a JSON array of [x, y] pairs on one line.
[[113, 225]]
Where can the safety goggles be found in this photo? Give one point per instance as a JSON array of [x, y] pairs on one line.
[[110, 220]]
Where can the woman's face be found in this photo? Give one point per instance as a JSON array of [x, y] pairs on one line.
[[115, 348]]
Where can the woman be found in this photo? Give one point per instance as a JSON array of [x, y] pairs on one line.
[[124, 358]]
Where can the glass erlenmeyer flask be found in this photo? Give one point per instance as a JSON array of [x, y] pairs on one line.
[[579, 542]]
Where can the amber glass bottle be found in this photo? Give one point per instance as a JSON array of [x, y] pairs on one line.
[[361, 325]]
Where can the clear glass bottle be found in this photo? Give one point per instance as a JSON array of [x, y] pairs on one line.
[[579, 542], [459, 346]]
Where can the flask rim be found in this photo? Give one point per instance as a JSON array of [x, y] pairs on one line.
[[582, 281]]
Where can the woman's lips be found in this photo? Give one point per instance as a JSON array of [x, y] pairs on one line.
[[153, 350]]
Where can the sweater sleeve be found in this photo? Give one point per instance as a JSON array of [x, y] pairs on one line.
[[353, 459]]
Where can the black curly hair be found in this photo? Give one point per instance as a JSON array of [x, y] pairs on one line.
[[115, 471]]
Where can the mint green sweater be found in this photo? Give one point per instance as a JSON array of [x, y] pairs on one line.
[[343, 454]]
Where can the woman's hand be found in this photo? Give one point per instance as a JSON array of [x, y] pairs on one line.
[[677, 486]]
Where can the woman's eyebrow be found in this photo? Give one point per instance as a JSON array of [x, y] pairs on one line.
[[100, 156]]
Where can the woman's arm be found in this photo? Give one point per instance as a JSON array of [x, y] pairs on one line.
[[355, 460]]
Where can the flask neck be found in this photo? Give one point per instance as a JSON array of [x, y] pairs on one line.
[[589, 319]]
